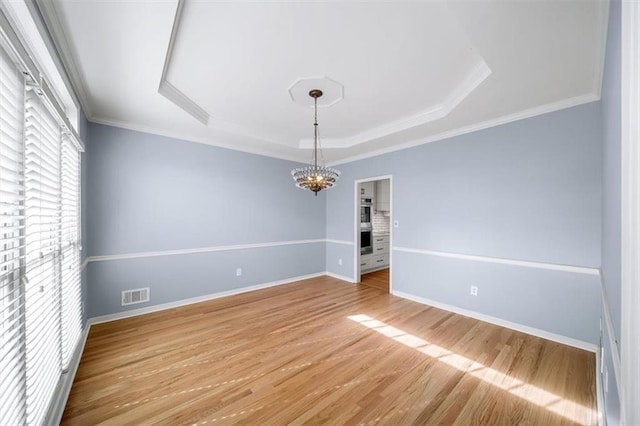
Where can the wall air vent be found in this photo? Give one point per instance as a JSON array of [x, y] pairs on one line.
[[138, 295]]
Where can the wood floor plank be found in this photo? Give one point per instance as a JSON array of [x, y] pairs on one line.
[[377, 279], [322, 351]]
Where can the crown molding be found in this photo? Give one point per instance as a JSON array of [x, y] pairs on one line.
[[173, 94], [532, 112], [199, 139], [528, 113], [167, 89], [473, 79]]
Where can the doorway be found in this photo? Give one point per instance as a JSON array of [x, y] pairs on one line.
[[373, 232]]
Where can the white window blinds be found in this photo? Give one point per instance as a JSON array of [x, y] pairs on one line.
[[43, 225], [71, 295], [40, 286], [12, 319]]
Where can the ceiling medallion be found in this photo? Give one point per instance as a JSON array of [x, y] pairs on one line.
[[313, 177]]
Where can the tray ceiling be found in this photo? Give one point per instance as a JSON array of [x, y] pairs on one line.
[[234, 74]]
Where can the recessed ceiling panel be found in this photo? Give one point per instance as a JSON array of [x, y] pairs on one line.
[[237, 60]]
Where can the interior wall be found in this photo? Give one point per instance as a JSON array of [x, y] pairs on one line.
[[169, 214], [524, 191], [611, 208]]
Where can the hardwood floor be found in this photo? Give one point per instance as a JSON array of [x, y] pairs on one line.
[[378, 279], [322, 351]]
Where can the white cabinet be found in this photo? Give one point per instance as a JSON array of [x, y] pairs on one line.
[[380, 261], [383, 195], [366, 189], [366, 262], [380, 257]]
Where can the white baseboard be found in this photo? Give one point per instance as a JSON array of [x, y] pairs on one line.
[[379, 268], [340, 277], [503, 323], [198, 299], [56, 410], [611, 332]]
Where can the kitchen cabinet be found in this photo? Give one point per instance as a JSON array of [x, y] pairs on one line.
[[366, 262], [367, 189], [380, 257], [383, 195], [380, 261]]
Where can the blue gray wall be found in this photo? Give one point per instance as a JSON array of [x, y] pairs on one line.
[[611, 201], [528, 190], [147, 194]]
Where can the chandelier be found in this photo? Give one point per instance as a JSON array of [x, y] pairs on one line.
[[313, 177]]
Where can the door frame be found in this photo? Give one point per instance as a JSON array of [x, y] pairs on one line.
[[630, 209], [356, 227]]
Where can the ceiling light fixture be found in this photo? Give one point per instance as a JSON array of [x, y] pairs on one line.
[[313, 177]]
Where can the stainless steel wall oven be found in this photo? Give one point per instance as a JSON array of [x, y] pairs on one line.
[[366, 241]]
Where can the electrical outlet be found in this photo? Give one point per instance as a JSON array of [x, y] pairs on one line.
[[238, 272], [474, 290], [340, 262]]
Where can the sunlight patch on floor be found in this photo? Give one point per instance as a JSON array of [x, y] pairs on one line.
[[550, 401]]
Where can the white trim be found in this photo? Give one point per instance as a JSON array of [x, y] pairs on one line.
[[172, 93], [379, 268], [76, 74], [200, 250], [469, 83], [45, 34], [532, 112], [345, 242], [84, 263], [504, 261], [502, 323], [613, 345], [391, 232], [178, 98], [60, 400], [630, 223], [184, 302], [340, 277], [601, 48], [296, 155], [602, 419], [168, 90], [356, 228]]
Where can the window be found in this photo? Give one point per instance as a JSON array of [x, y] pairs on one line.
[[40, 287], [12, 250]]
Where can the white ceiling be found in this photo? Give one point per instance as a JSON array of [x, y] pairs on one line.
[[396, 74]]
